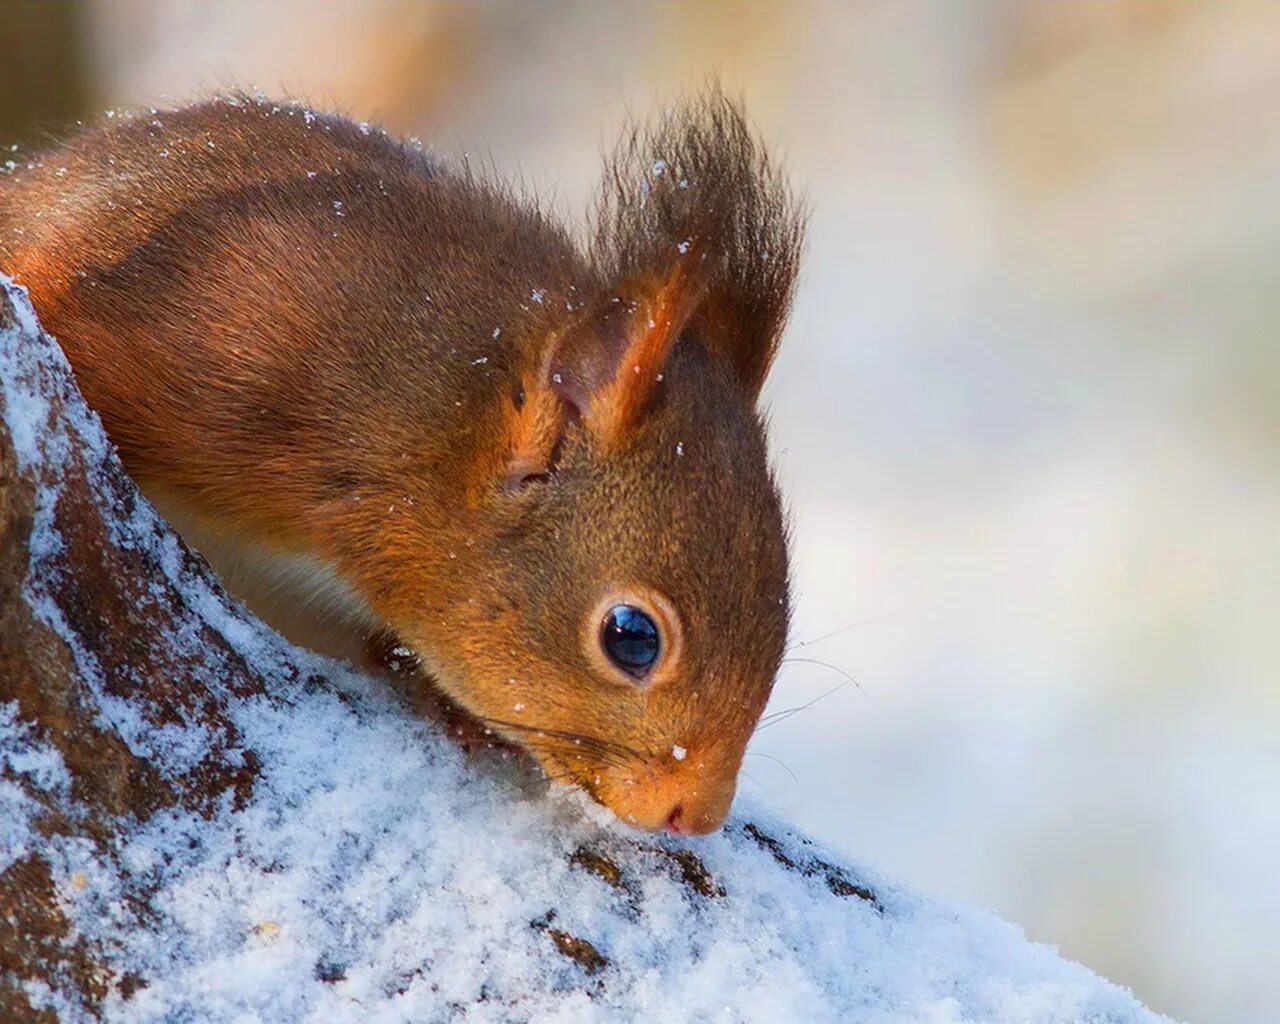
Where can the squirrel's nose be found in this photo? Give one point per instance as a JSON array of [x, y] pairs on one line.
[[696, 821], [692, 814], [682, 821], [685, 798]]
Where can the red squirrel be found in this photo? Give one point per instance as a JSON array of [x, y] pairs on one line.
[[383, 394]]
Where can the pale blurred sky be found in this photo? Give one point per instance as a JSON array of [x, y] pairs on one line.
[[1027, 415]]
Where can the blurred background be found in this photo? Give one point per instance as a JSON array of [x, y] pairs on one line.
[[1027, 415]]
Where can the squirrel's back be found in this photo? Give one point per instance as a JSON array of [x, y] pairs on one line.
[[105, 193], [250, 270]]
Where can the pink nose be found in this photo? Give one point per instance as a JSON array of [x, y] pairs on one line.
[[676, 823], [680, 802]]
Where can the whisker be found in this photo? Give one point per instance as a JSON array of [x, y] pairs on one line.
[[837, 632], [564, 754], [776, 760], [564, 776], [615, 753], [828, 665], [540, 730], [782, 716], [565, 750]]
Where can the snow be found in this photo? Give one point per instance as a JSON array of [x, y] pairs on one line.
[[42, 768], [377, 873]]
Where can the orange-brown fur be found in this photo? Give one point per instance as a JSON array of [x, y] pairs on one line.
[[310, 340]]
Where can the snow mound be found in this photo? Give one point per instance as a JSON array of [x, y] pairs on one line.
[[206, 824]]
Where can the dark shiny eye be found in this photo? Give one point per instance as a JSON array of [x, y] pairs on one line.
[[630, 638]]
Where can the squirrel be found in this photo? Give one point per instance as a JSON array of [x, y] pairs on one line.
[[387, 395]]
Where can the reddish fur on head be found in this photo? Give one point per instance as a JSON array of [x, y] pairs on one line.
[[313, 344]]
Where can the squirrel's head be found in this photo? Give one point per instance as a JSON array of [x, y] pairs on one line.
[[634, 607]]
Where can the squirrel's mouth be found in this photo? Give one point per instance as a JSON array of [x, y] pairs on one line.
[[649, 796]]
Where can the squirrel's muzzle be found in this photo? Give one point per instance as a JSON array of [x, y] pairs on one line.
[[685, 795]]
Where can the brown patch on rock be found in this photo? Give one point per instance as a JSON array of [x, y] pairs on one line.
[[580, 951], [36, 945], [599, 865], [130, 984], [689, 870], [693, 873], [837, 881]]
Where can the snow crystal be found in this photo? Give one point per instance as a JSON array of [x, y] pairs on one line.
[[679, 752]]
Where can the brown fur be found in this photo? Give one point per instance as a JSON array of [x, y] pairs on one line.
[[310, 341]]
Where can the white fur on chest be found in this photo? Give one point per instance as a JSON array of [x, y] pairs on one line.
[[299, 595]]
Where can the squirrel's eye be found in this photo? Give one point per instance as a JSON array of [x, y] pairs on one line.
[[630, 638]]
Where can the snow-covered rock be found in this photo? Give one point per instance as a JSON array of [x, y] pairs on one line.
[[199, 822]]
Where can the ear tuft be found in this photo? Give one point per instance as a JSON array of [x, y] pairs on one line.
[[698, 182]]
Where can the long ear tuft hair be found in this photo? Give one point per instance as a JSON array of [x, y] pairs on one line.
[[697, 183]]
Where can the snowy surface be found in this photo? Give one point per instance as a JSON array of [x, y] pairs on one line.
[[377, 874]]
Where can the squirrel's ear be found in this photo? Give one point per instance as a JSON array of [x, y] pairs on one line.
[[699, 179], [608, 365]]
